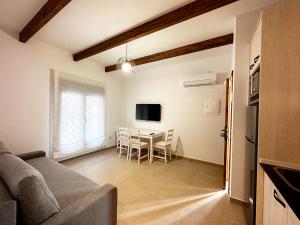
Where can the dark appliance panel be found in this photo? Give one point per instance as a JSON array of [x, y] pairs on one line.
[[251, 148], [254, 87]]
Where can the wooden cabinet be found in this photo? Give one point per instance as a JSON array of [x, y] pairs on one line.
[[292, 218], [279, 88], [279, 85], [276, 211], [255, 48], [275, 208]]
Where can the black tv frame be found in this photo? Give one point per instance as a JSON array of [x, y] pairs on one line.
[[148, 112]]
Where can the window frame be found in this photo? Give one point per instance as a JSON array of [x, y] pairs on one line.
[[54, 111]]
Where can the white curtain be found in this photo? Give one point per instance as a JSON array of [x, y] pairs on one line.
[[80, 120]]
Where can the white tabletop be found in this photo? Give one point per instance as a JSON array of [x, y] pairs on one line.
[[150, 132]]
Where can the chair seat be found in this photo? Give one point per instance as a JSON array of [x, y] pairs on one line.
[[160, 144], [135, 144]]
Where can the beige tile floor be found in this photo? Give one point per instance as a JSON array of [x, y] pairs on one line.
[[183, 192]]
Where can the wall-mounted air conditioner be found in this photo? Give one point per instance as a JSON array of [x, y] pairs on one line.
[[199, 80]]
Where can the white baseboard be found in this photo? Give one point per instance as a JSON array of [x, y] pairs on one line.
[[82, 153]]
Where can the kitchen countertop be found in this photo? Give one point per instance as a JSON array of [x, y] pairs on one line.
[[291, 196]]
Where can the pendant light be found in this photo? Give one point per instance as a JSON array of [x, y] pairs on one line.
[[125, 64]]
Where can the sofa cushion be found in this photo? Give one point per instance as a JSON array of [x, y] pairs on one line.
[[66, 185], [28, 187], [8, 206], [4, 192], [3, 149]]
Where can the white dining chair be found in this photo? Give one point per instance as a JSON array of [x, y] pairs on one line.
[[138, 145], [124, 138], [118, 126], [164, 147]]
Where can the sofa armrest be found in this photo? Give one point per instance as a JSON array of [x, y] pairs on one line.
[[8, 212], [32, 155], [96, 208]]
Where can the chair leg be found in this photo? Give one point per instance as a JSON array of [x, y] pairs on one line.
[[148, 153], [130, 154], [165, 151], [170, 152], [127, 155], [120, 152], [139, 156]]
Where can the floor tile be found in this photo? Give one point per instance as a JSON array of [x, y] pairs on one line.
[[183, 192]]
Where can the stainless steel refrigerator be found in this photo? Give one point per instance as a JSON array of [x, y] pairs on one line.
[[251, 148]]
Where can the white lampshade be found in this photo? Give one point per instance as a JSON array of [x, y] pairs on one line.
[[126, 67], [125, 64]]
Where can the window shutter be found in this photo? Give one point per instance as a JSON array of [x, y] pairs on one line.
[[79, 124]]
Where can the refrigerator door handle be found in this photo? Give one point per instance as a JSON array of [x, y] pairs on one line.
[[248, 139]]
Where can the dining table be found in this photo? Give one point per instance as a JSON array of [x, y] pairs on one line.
[[151, 135]]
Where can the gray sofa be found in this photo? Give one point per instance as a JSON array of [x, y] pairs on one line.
[[36, 190]]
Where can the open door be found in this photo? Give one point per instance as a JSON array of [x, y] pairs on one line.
[[227, 131]]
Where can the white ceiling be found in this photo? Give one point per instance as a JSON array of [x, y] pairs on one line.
[[83, 23]]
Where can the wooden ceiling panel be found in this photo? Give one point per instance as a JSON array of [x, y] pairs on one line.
[[176, 16], [44, 15], [188, 49]]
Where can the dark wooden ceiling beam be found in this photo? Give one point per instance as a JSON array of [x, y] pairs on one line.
[[44, 15], [188, 49], [176, 16]]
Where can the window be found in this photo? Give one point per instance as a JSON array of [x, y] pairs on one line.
[[79, 124]]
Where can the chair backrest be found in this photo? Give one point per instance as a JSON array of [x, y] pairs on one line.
[[124, 135], [169, 137], [117, 129], [135, 136]]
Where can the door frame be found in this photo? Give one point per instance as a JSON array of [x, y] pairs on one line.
[[228, 132]]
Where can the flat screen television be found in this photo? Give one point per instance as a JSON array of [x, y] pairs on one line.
[[149, 112]]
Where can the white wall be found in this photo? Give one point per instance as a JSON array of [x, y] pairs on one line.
[[182, 108], [244, 27], [24, 91]]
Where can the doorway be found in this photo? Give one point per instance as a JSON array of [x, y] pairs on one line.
[[227, 132]]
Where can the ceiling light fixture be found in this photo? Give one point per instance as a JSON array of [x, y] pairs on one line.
[[125, 64]]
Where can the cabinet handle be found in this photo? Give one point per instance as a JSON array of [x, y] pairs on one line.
[[256, 59], [278, 199], [248, 139], [251, 66]]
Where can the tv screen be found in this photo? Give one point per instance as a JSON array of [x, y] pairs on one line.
[[150, 112]]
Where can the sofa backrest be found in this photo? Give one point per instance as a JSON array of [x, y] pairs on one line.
[[36, 203], [4, 149]]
